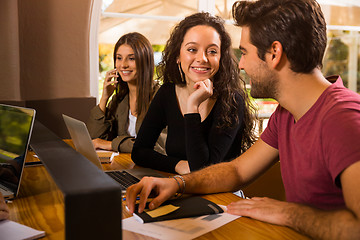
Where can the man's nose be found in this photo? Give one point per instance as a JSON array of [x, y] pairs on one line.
[[241, 64]]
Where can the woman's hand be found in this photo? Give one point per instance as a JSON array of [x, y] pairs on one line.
[[109, 86], [110, 83], [203, 91], [182, 167], [101, 144]]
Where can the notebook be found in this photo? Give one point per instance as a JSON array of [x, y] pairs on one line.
[[16, 124], [178, 208], [83, 144]]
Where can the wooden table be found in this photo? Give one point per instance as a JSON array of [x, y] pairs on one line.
[[40, 205]]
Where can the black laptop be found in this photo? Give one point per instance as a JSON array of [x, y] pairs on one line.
[[16, 125]]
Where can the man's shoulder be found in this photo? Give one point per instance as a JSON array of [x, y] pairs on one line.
[[339, 93], [341, 97]]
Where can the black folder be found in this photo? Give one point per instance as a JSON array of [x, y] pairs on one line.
[[185, 207]]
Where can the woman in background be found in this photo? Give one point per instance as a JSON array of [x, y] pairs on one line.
[[114, 123], [202, 102]]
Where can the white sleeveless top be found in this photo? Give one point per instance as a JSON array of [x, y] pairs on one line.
[[132, 124]]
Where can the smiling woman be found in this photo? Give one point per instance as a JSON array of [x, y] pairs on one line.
[[114, 123], [202, 103]]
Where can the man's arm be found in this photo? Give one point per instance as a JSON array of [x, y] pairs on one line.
[[222, 177], [318, 224], [231, 176]]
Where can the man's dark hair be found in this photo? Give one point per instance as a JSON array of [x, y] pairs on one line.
[[299, 26]]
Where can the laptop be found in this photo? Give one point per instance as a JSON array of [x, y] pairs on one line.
[[16, 124], [83, 144]]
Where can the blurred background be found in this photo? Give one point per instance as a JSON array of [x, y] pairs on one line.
[[155, 19], [54, 53]]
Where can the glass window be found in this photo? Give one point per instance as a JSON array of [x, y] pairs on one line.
[[155, 19]]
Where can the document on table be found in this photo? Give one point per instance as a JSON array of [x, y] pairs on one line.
[[10, 230], [185, 228]]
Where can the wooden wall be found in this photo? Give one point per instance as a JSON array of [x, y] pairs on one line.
[[44, 58]]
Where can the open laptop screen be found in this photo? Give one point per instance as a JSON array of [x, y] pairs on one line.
[[15, 130]]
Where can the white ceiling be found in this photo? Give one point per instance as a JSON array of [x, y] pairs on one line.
[[155, 18]]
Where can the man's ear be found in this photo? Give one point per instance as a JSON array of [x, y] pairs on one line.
[[276, 52]]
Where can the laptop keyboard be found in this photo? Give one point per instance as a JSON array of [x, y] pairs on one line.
[[4, 190], [124, 178]]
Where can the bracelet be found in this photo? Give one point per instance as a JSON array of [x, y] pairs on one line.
[[183, 181], [177, 195]]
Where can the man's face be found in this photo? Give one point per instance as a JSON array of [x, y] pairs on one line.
[[263, 81]]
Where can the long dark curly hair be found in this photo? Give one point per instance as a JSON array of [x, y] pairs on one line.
[[144, 59], [227, 81]]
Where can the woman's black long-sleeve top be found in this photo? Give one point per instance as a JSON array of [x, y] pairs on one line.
[[200, 143]]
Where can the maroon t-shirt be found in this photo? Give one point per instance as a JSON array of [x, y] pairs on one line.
[[318, 147]]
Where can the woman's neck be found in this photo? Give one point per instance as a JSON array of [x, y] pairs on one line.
[[132, 98], [189, 88], [132, 90]]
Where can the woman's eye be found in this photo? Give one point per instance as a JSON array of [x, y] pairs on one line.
[[132, 59], [212, 52], [191, 49], [118, 58]]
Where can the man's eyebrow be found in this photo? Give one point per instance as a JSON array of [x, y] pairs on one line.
[[242, 48]]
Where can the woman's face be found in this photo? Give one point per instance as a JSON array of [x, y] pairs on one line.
[[125, 63], [200, 53]]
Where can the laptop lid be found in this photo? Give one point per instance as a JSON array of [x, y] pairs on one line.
[[83, 144], [16, 124], [81, 139]]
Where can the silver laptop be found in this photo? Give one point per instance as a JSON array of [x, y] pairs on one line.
[[16, 124], [83, 144]]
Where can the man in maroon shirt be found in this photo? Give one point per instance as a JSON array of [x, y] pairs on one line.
[[315, 131]]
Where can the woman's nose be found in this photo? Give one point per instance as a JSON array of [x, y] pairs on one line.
[[201, 56], [124, 63]]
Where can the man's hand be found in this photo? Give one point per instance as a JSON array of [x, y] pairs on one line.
[[316, 223], [162, 188], [263, 209]]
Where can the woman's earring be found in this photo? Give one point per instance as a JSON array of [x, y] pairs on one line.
[[181, 73]]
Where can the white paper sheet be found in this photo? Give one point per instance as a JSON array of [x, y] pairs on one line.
[[185, 228], [10, 230]]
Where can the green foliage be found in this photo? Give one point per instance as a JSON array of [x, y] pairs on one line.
[[15, 127], [336, 59], [158, 48]]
